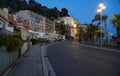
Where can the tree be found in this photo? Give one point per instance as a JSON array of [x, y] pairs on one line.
[[31, 1], [104, 19], [14, 4], [62, 29], [55, 12], [116, 23], [80, 33], [64, 12], [92, 32], [3, 2], [22, 5]]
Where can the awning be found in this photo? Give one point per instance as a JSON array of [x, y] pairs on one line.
[[11, 20]]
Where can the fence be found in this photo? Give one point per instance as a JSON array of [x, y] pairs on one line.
[[8, 58]]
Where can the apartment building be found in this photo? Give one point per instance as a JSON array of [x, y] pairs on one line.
[[36, 21], [4, 15], [67, 20], [49, 26], [5, 26], [73, 23]]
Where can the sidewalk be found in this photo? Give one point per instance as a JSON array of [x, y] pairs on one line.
[[104, 48], [30, 64]]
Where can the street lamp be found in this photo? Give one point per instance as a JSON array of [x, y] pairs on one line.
[[100, 9]]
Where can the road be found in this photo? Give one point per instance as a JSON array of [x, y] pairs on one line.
[[69, 59]]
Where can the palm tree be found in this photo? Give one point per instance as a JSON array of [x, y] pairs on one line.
[[92, 31], [104, 19], [116, 23]]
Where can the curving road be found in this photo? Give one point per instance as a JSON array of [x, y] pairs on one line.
[[70, 59]]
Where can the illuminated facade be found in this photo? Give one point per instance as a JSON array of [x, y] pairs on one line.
[[73, 23], [67, 20]]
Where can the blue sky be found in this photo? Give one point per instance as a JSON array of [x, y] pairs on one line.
[[85, 10]]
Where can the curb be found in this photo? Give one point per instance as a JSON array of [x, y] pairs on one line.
[[47, 67], [107, 49]]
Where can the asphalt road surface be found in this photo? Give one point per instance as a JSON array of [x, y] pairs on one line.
[[69, 59]]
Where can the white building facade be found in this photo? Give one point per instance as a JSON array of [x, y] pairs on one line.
[[67, 20], [73, 23], [38, 24], [36, 21]]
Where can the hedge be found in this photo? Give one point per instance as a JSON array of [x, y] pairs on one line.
[[12, 43]]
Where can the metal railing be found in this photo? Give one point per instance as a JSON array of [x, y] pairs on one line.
[[7, 58]]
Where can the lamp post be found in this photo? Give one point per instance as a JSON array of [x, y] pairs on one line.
[[100, 9]]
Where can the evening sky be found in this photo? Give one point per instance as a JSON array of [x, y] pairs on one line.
[[85, 10]]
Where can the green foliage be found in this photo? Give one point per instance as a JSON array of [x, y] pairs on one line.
[[12, 43], [14, 4], [41, 40], [2, 41], [34, 41], [68, 37], [50, 13], [92, 29], [64, 12], [92, 33], [116, 23], [98, 18], [63, 29]]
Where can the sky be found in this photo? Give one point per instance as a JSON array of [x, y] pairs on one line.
[[85, 10]]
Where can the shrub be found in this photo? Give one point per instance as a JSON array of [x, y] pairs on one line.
[[2, 41], [43, 40], [14, 44], [34, 41]]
